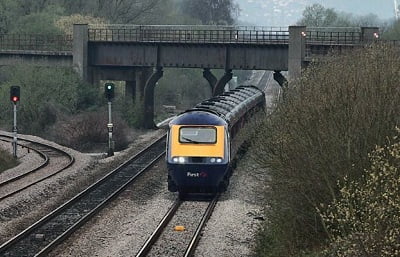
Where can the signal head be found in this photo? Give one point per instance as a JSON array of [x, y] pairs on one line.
[[109, 91], [14, 94]]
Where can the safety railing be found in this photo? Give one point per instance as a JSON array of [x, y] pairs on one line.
[[36, 42], [189, 34], [333, 36]]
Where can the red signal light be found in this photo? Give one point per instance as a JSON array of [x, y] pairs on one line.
[[14, 94]]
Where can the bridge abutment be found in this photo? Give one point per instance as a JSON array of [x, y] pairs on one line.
[[130, 89], [80, 50], [369, 33], [296, 51]]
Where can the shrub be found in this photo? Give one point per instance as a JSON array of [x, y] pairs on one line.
[[88, 131], [6, 160], [365, 220], [46, 93], [321, 133]]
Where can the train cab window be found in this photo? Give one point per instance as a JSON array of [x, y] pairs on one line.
[[198, 135]]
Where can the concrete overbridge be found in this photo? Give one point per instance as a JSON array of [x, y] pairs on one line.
[[138, 54]]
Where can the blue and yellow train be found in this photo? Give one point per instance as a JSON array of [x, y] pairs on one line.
[[202, 141]]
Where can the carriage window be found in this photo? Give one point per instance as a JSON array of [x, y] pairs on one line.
[[197, 135]]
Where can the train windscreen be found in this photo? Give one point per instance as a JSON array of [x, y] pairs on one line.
[[198, 135]]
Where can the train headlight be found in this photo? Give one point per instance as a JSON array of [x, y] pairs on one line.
[[179, 159], [215, 160]]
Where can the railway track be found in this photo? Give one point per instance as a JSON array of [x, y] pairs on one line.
[[186, 244], [54, 161], [44, 235]]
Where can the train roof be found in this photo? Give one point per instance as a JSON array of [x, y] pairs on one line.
[[198, 117], [224, 109]]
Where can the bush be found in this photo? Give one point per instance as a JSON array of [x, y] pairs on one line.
[[365, 220], [88, 132], [6, 161], [323, 132], [46, 93]]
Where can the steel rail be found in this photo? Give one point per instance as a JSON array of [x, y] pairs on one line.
[[60, 223], [158, 231], [69, 164], [43, 164], [197, 235], [166, 220]]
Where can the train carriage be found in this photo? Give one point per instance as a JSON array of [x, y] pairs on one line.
[[202, 141]]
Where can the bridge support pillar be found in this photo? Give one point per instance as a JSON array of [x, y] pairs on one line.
[[219, 86], [369, 34], [80, 51], [130, 89], [212, 80], [141, 77], [148, 114], [297, 49]]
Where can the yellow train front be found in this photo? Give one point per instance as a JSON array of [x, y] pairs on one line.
[[198, 153], [200, 146]]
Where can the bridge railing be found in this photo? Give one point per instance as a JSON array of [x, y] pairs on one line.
[[35, 42], [319, 41], [190, 34], [333, 38]]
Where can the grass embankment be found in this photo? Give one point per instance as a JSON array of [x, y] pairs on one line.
[[316, 149], [6, 161]]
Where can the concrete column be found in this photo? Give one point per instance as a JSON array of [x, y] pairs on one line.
[[148, 120], [219, 87], [369, 34], [212, 80], [141, 77], [80, 51], [94, 75], [130, 89], [297, 49]]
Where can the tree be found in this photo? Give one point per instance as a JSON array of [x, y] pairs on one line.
[[115, 11], [318, 16], [36, 23], [8, 10], [65, 23], [393, 31], [219, 12]]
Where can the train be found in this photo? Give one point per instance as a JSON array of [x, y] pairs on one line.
[[202, 142]]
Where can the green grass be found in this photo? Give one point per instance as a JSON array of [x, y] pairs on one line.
[[6, 161]]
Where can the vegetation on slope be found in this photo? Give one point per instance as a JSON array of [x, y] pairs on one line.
[[6, 160], [323, 131], [365, 219]]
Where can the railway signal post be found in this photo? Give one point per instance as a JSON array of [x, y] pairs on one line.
[[109, 93], [15, 97]]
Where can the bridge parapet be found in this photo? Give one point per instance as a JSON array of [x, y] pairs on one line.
[[36, 42], [189, 34], [319, 41]]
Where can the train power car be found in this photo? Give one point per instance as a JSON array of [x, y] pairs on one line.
[[201, 141]]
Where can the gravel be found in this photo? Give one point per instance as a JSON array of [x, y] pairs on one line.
[[18, 212]]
